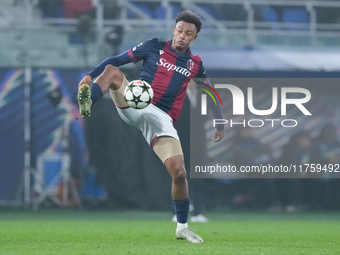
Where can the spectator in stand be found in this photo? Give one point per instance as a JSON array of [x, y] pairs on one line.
[[84, 33], [111, 9], [73, 8], [114, 37]]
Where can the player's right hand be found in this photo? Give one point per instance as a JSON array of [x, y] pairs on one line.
[[86, 80]]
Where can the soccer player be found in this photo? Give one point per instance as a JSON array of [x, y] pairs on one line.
[[167, 67]]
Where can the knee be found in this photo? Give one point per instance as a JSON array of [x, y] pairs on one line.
[[112, 76], [110, 70], [179, 173]]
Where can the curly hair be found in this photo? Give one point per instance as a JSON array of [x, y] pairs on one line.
[[190, 17]]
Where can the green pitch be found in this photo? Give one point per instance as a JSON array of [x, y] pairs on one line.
[[80, 232]]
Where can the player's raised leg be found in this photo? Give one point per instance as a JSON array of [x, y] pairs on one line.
[[169, 150], [110, 78]]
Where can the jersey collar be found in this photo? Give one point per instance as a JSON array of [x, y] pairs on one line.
[[186, 53]]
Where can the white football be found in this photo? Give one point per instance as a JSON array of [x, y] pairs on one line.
[[138, 94]]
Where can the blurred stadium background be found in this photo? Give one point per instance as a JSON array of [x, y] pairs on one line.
[[50, 158]]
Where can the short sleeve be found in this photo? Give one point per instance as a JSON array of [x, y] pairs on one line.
[[202, 73]]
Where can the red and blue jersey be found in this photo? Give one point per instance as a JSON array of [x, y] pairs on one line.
[[167, 71]]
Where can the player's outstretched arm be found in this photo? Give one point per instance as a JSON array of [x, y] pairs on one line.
[[216, 110], [86, 80]]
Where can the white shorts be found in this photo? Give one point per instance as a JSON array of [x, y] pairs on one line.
[[151, 120]]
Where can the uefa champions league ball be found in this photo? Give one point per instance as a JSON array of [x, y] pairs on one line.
[[138, 94]]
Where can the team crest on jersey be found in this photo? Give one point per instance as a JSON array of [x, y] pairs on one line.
[[190, 64]]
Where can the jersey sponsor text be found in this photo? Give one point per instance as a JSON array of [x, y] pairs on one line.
[[170, 67]]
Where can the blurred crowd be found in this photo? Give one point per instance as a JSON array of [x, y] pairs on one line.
[[303, 190]]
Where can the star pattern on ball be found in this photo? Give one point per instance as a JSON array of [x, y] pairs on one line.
[[145, 87], [138, 94], [137, 99]]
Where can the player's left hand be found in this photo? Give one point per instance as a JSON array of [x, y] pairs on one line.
[[86, 80], [218, 135]]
